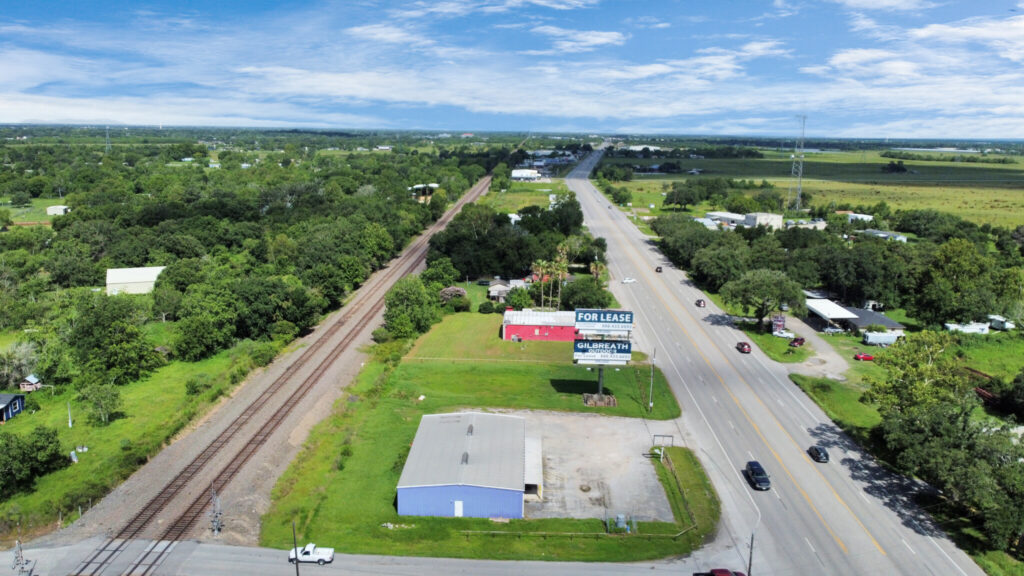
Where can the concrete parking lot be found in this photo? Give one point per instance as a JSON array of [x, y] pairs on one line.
[[596, 467]]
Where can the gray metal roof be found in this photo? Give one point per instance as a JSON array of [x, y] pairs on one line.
[[445, 452], [865, 318], [6, 399]]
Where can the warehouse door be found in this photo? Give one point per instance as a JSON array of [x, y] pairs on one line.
[[458, 508]]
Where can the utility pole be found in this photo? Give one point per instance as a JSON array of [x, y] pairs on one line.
[[650, 394], [69, 414], [797, 171], [295, 549], [750, 559]]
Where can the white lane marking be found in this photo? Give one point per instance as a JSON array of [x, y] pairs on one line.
[[714, 399], [781, 403], [861, 494], [730, 424], [936, 544], [748, 451], [813, 551], [908, 547]]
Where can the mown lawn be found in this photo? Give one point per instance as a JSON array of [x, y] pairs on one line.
[[341, 489], [36, 212], [153, 410], [776, 348], [521, 194]]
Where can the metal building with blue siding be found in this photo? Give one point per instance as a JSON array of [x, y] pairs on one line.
[[465, 464], [11, 405]]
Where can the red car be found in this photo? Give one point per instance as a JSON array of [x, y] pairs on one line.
[[797, 342], [864, 357], [743, 347]]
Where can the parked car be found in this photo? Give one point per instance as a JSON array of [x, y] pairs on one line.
[[756, 475], [628, 280], [818, 453], [701, 303], [783, 334], [658, 269], [743, 347], [719, 572], [863, 357], [833, 330], [797, 342], [311, 553]]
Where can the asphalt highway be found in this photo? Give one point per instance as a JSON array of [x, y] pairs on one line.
[[848, 516]]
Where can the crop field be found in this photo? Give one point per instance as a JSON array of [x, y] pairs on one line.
[[981, 193], [342, 488], [522, 194]]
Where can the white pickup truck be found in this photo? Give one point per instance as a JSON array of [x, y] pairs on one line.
[[311, 554]]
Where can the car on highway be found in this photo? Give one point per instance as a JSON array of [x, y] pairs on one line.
[[719, 572], [743, 347], [818, 453], [756, 475], [797, 342], [700, 303], [658, 269], [311, 553], [863, 357], [628, 280]]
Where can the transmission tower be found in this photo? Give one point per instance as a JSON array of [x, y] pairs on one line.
[[108, 140], [797, 172]]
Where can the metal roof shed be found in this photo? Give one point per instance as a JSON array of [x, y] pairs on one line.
[[465, 464], [828, 309], [132, 280]]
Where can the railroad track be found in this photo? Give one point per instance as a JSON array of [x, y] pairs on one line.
[[360, 312]]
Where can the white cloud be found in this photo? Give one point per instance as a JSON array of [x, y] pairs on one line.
[[1005, 36], [893, 5], [575, 41]]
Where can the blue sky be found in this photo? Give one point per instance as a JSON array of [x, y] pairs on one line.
[[855, 68]]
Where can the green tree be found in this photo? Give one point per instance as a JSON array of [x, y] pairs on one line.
[[519, 298], [762, 292], [726, 259], [409, 308], [585, 292], [440, 271], [921, 371], [102, 400]]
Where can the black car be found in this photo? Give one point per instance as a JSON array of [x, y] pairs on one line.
[[757, 477], [658, 269], [818, 453]]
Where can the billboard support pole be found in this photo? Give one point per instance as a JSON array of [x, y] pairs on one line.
[[600, 381]]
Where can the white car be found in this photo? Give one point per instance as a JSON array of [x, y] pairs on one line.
[[311, 553], [628, 280], [783, 334]]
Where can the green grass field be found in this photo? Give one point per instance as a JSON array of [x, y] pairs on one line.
[[522, 194], [981, 193], [36, 212], [154, 409], [360, 450], [776, 348]]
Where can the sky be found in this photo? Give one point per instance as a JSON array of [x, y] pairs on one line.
[[853, 68]]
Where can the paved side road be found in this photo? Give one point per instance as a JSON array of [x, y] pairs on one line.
[[190, 558]]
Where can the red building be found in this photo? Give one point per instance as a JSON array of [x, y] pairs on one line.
[[534, 325]]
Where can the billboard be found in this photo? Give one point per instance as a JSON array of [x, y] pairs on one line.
[[616, 322], [615, 352]]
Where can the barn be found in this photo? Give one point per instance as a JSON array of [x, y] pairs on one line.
[[10, 406], [132, 280], [529, 324], [468, 464]]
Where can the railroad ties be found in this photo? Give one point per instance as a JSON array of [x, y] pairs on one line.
[[360, 313]]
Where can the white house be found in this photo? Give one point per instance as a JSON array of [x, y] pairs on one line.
[[525, 175], [767, 219], [132, 280], [58, 210]]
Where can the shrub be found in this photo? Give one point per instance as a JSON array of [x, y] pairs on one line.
[[460, 304], [486, 307], [381, 335]]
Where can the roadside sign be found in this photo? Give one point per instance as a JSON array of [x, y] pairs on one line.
[[612, 322], [606, 352]]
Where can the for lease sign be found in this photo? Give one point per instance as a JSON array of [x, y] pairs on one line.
[[590, 320], [602, 351]]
